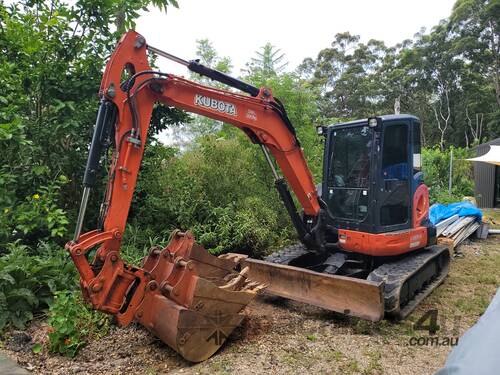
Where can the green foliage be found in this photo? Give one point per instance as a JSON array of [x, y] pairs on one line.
[[231, 207], [221, 188], [38, 217], [250, 228], [124, 12], [28, 282], [51, 61], [73, 323], [436, 167], [137, 242], [448, 78], [270, 61]]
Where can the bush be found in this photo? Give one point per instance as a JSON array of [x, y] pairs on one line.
[[38, 217], [137, 242], [250, 229], [73, 323], [28, 282], [436, 167], [222, 190]]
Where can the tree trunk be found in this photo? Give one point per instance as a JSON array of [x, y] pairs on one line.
[[397, 105]]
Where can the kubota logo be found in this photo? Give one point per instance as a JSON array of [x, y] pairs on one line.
[[218, 105]]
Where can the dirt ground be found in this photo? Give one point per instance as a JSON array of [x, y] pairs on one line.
[[285, 337]]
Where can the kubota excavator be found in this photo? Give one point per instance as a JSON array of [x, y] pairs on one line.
[[366, 247]]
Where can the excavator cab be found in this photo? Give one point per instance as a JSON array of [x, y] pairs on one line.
[[371, 171], [373, 186]]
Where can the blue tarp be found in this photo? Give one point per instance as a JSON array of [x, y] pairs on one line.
[[439, 212]]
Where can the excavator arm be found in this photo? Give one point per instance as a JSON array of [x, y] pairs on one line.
[[187, 297], [260, 116]]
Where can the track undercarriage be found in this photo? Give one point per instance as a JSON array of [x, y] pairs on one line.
[[406, 280]]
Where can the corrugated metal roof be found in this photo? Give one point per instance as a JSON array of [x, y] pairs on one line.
[[494, 142]]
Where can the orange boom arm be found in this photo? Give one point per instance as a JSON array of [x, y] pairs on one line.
[[258, 117], [125, 113]]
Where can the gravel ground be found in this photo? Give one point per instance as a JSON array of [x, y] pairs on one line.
[[286, 337]]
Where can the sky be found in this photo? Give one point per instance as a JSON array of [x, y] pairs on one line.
[[300, 29]]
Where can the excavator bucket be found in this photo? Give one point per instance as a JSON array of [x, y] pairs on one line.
[[193, 300], [346, 295]]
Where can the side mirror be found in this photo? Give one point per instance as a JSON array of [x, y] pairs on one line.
[[321, 130], [375, 123]]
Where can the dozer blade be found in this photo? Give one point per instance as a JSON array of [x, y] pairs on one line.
[[347, 295], [193, 299]]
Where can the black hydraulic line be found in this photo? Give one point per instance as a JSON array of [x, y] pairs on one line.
[[106, 117], [280, 110], [195, 66], [287, 199]]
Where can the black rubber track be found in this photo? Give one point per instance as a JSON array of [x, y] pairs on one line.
[[287, 254], [434, 260]]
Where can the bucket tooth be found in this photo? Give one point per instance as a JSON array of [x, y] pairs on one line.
[[193, 300]]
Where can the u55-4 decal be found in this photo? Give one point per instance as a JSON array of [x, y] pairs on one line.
[[218, 105]]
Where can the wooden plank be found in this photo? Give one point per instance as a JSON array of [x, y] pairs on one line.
[[467, 233], [445, 241], [466, 220], [442, 225], [452, 227]]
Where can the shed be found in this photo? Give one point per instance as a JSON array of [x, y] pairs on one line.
[[487, 178]]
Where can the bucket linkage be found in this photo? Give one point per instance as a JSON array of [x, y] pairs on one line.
[[188, 298]]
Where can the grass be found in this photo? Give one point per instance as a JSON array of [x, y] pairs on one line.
[[220, 366], [377, 348], [333, 355], [472, 281], [350, 367], [460, 301], [374, 365], [322, 342]]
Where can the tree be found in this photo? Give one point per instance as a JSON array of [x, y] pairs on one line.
[[125, 12], [478, 24], [196, 126], [51, 62], [445, 77], [270, 61], [477, 28], [348, 77]]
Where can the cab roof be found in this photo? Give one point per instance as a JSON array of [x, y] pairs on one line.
[[384, 118]]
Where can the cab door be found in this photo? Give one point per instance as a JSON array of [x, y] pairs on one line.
[[394, 177]]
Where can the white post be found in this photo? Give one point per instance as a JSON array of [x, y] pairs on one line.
[[451, 170]]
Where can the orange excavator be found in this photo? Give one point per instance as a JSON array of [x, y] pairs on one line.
[[367, 248]]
